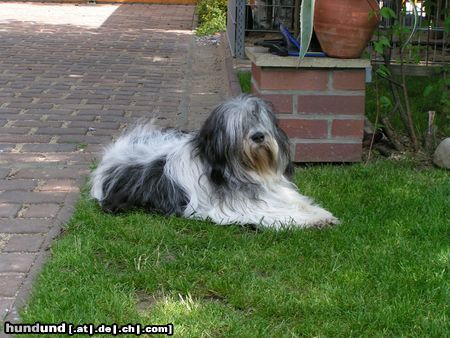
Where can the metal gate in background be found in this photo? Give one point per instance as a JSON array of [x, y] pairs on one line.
[[236, 27], [431, 41], [244, 16]]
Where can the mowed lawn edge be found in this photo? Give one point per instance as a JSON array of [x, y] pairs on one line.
[[382, 272]]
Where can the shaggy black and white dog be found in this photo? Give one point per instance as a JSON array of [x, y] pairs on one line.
[[234, 170]]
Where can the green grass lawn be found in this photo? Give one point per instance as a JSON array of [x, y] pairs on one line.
[[245, 79], [382, 272]]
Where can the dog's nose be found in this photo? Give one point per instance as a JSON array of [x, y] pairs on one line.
[[257, 137]]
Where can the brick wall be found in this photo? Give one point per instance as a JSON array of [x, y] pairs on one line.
[[320, 109]]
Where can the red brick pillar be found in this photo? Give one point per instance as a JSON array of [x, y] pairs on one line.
[[320, 104]]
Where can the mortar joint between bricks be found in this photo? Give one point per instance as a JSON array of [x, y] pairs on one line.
[[330, 80], [295, 104], [122, 126], [12, 173], [65, 124], [18, 148], [9, 123], [39, 185], [329, 128], [11, 273], [22, 210], [32, 131], [292, 146], [43, 117], [54, 140]]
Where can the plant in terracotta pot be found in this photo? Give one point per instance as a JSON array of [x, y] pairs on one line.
[[343, 27]]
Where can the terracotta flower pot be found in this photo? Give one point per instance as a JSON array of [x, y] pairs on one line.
[[344, 27]]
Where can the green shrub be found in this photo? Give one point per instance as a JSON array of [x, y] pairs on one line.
[[212, 15]]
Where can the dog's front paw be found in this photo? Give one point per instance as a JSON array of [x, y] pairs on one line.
[[325, 222]]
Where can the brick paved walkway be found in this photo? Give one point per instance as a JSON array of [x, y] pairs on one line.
[[70, 78]]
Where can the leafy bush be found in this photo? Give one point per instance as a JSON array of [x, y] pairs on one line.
[[212, 15], [425, 94]]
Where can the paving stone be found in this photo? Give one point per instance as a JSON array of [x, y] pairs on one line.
[[5, 306], [104, 132], [24, 226], [49, 111], [71, 118], [52, 173], [95, 148], [6, 147], [84, 139], [14, 130], [41, 211], [4, 172], [9, 284], [36, 124], [61, 131], [47, 148], [16, 262], [97, 125], [24, 243], [60, 185], [24, 138], [19, 196], [9, 210], [17, 184], [20, 117], [24, 158]]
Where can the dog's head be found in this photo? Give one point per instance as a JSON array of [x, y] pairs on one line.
[[241, 140]]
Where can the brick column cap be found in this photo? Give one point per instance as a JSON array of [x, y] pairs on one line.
[[261, 58]]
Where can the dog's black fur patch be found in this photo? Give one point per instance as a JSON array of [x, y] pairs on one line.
[[143, 186]]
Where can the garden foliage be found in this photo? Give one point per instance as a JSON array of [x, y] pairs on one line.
[[212, 16]]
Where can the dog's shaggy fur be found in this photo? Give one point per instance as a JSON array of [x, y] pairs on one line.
[[234, 170]]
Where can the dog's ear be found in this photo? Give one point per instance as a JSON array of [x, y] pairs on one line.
[[217, 175], [285, 153], [210, 146]]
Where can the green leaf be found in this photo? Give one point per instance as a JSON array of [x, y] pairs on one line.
[[306, 25], [387, 13], [385, 102], [378, 47], [428, 89], [384, 71], [384, 41]]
